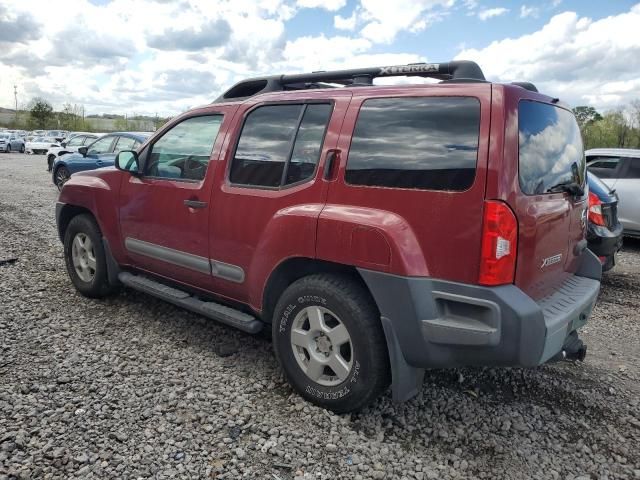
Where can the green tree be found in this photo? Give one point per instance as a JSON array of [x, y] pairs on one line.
[[41, 112], [586, 115]]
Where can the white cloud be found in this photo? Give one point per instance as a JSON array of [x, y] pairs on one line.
[[488, 13], [571, 57], [526, 11], [345, 23], [384, 18], [331, 5]]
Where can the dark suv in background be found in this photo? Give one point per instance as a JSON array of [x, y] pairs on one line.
[[376, 230]]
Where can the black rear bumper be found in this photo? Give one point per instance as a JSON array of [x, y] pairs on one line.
[[604, 242]]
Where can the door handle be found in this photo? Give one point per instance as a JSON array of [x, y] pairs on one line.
[[332, 156], [195, 204]]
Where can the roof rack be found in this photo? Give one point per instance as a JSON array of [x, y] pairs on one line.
[[456, 70]]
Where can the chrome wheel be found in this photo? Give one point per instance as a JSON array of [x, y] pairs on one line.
[[83, 257], [322, 346]]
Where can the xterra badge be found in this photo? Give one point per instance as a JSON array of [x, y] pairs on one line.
[[551, 260]]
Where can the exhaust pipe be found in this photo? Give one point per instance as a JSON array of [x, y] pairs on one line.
[[573, 350]]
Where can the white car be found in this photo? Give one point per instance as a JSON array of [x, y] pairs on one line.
[[40, 145], [619, 168], [69, 145]]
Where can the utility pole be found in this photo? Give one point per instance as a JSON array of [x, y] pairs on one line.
[[15, 95]]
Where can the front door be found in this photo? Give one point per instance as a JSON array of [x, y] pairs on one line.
[[164, 212], [98, 153]]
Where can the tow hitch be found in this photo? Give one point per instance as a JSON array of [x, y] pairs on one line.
[[572, 350]]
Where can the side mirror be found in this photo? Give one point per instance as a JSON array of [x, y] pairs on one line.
[[63, 144], [83, 151], [127, 161]]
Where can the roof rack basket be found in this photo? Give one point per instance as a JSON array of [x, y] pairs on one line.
[[458, 70]]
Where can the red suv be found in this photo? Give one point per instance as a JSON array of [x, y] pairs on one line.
[[378, 230]]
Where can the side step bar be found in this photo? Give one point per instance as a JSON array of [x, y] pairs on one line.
[[228, 316]]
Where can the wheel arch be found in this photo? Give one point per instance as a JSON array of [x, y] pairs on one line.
[[66, 214], [295, 268]]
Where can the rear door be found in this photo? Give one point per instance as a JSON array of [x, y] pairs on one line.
[[551, 221], [269, 198], [627, 187]]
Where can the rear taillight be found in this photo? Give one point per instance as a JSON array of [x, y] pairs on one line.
[[595, 210], [499, 244]]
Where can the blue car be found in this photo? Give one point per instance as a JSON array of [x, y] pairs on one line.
[[101, 153]]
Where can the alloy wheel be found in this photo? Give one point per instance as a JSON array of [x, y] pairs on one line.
[[322, 346], [83, 257]]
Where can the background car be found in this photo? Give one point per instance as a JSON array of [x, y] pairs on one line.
[[101, 153], [40, 145], [11, 142], [619, 168], [69, 146], [604, 230], [59, 135]]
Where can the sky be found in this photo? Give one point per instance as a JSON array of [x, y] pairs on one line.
[[164, 57]]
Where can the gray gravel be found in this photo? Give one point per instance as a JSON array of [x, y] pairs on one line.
[[132, 388]]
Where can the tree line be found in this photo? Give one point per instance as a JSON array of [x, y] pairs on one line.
[[614, 129], [39, 114]]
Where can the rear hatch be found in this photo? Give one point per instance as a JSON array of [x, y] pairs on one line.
[[552, 202]]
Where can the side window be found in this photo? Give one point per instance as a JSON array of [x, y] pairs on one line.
[[633, 169], [280, 145], [418, 143], [183, 152], [100, 146], [308, 144], [603, 167], [125, 143], [76, 141]]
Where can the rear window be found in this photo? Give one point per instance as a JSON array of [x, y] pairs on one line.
[[426, 143], [550, 148]]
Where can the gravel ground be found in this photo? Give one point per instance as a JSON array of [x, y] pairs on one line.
[[132, 388]]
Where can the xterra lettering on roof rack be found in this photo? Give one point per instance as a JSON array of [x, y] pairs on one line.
[[458, 70]]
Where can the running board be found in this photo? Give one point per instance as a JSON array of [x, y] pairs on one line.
[[228, 316]]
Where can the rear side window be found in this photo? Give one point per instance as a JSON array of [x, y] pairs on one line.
[[280, 145], [604, 167], [550, 148], [418, 143], [633, 170]]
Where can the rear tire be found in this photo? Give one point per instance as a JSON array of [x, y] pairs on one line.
[[22, 148], [8, 148], [50, 160], [85, 258], [329, 341]]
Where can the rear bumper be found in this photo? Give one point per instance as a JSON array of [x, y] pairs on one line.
[[604, 242], [433, 323]]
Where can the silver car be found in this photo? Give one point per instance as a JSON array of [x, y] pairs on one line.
[[619, 168], [11, 142]]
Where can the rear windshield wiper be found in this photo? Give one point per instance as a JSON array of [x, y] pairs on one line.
[[572, 187]]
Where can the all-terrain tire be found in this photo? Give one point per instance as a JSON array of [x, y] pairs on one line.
[[342, 300], [96, 283]]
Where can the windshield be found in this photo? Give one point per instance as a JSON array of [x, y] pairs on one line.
[[551, 152], [4, 135]]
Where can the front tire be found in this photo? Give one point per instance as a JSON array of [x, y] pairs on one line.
[[61, 176], [22, 148], [85, 258], [8, 148], [50, 160], [329, 341]]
